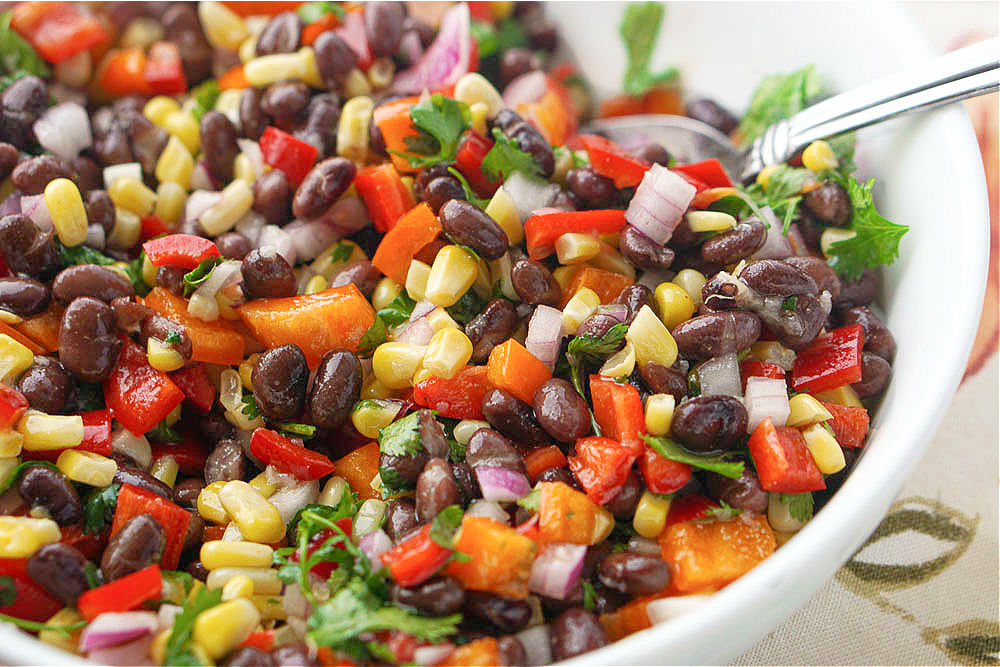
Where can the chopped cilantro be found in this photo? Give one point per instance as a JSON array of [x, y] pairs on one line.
[[17, 57], [342, 252], [311, 12], [198, 275], [531, 501], [445, 525], [777, 97], [725, 512], [301, 430], [250, 407], [8, 592], [398, 310], [456, 451], [470, 194], [172, 338], [592, 349], [81, 254], [800, 505], [580, 158], [640, 28], [783, 193], [506, 157], [669, 449], [178, 652], [466, 307], [99, 510], [92, 575], [402, 437], [875, 241], [89, 396], [790, 303], [493, 40], [205, 96], [163, 433], [440, 122], [589, 596], [376, 335]]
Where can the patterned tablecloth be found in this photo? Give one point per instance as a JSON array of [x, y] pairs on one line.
[[923, 590]]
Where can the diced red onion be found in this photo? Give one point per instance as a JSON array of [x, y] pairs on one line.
[[34, 207], [776, 245], [252, 150], [410, 46], [115, 628], [721, 376], [11, 205], [198, 202], [619, 311], [280, 240], [529, 194], [310, 238], [524, 89], [201, 177], [222, 275], [667, 608], [659, 203], [64, 130], [644, 546], [445, 61], [421, 308], [347, 215], [374, 545], [537, 649], [250, 226], [127, 655], [488, 509], [432, 655], [766, 397], [545, 334], [95, 237], [291, 499], [502, 484], [416, 333], [556, 569], [352, 30], [799, 247]]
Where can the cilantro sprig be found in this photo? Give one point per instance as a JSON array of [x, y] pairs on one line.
[[205, 95], [669, 449], [875, 241], [178, 652], [800, 505], [506, 157], [592, 349], [199, 274], [99, 510], [640, 28], [8, 596], [440, 122], [777, 97], [17, 57]]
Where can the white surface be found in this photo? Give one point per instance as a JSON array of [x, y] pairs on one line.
[[929, 178]]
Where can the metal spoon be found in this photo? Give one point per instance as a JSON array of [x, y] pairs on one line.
[[968, 72]]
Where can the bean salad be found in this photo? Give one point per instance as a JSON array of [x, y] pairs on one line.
[[328, 336]]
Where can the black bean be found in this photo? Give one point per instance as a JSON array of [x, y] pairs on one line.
[[171, 278], [322, 186], [822, 273], [511, 651], [218, 145], [147, 140], [432, 434], [591, 188], [32, 175], [336, 388], [384, 26], [470, 226], [88, 173], [634, 297], [182, 27], [653, 152], [534, 283], [441, 190], [100, 210], [130, 474], [195, 533], [23, 296], [186, 492], [377, 141], [90, 280], [529, 139], [684, 236], [560, 474], [361, 273], [280, 35], [233, 245], [575, 631], [829, 203], [875, 372], [88, 344], [226, 462], [597, 326], [406, 468], [248, 656], [466, 481], [878, 339], [634, 573], [436, 489], [796, 328], [46, 385], [488, 448], [50, 489], [773, 277], [24, 100], [710, 112], [517, 61], [561, 411], [489, 328], [506, 614], [427, 175], [607, 600], [643, 251], [113, 147], [138, 544], [542, 33], [400, 518], [214, 427], [744, 493], [197, 570], [9, 156], [279, 379], [709, 424], [859, 291], [715, 334], [738, 243], [272, 197], [625, 501], [129, 315], [161, 329], [320, 127], [285, 102], [253, 120], [266, 274], [61, 570], [512, 417], [334, 59], [663, 380]]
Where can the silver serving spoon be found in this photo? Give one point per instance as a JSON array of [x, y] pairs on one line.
[[968, 72]]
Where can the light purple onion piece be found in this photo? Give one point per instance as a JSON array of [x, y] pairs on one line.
[[537, 647], [556, 569], [252, 150], [280, 240], [488, 509], [374, 545], [114, 628], [410, 46], [64, 130], [545, 334], [659, 203], [619, 311], [198, 202], [421, 308], [133, 653], [310, 238], [766, 397], [416, 333], [776, 245], [721, 376], [34, 207], [525, 89], [201, 177], [432, 655], [502, 484], [445, 61], [11, 205]]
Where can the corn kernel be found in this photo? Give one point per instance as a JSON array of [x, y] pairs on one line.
[[7, 465], [63, 617], [779, 515], [819, 156], [573, 248], [148, 272], [356, 84], [371, 416], [15, 358], [270, 607], [132, 195], [446, 354], [8, 317], [620, 364], [158, 108], [243, 422], [65, 205], [651, 514], [170, 201], [563, 275], [416, 279], [182, 125], [395, 363], [237, 198], [659, 413], [833, 235], [352, 130], [229, 101], [257, 518], [380, 73], [175, 164], [673, 304], [248, 49], [609, 259], [452, 274], [158, 648], [220, 629], [21, 536], [128, 227], [263, 485], [243, 169], [246, 373], [604, 523], [216, 554], [710, 221], [265, 70], [223, 27], [44, 432], [333, 492], [805, 410], [772, 352], [337, 256], [764, 176], [265, 580], [310, 70], [209, 505], [477, 117], [474, 87], [369, 517], [504, 212], [482, 286], [240, 586], [825, 449], [10, 446], [464, 429], [842, 395], [651, 339], [316, 284], [87, 467], [165, 469], [163, 356], [440, 319], [691, 281]]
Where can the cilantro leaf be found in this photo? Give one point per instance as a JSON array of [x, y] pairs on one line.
[[669, 449], [783, 192], [99, 510], [485, 36], [640, 28], [531, 501], [724, 512], [134, 271], [15, 474], [506, 157], [81, 254], [470, 194], [163, 433], [456, 451], [8, 592], [345, 508], [790, 303], [311, 12], [398, 310], [466, 307], [777, 97], [301, 430], [376, 335], [198, 275], [875, 241], [250, 407], [440, 122], [172, 338], [33, 626], [445, 525], [342, 252], [592, 349], [205, 96], [402, 437], [589, 596], [17, 57], [800, 505], [178, 654]]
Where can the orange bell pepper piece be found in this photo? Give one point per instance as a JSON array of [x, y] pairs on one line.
[[233, 79], [384, 194], [541, 459], [24, 340], [393, 120], [359, 469], [628, 619], [480, 653], [400, 244], [500, 558], [317, 323], [123, 72], [262, 8], [512, 368], [606, 284], [211, 342], [565, 514], [312, 31]]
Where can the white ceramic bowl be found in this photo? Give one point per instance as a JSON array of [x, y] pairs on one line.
[[930, 178]]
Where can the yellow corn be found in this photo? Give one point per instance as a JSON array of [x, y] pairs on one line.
[[369, 417], [464, 429], [65, 205], [240, 586], [132, 195], [691, 281], [620, 364], [842, 395], [223, 27], [219, 629], [173, 416], [673, 304], [15, 358], [125, 233], [141, 32], [609, 259], [158, 648], [503, 211], [333, 491], [452, 274], [87, 467], [356, 84], [764, 176], [833, 235], [243, 422], [270, 607], [237, 198], [385, 291], [63, 617], [243, 169], [477, 117], [265, 580], [124, 170], [327, 266], [7, 465], [805, 410], [573, 248], [772, 352], [10, 447], [209, 505], [380, 73], [158, 108], [474, 87], [261, 483], [165, 469], [163, 356], [710, 221], [352, 130], [182, 125], [148, 272], [651, 514], [21, 536], [374, 390], [416, 280], [175, 164], [316, 284], [44, 432], [369, 517], [659, 413], [229, 100], [8, 317], [170, 200], [564, 274], [651, 339], [395, 363], [248, 49], [216, 554], [440, 319], [446, 354], [265, 70], [779, 516], [825, 449], [256, 517], [604, 523], [310, 70], [819, 156]]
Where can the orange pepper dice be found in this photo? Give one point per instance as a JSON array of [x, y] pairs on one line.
[[500, 558]]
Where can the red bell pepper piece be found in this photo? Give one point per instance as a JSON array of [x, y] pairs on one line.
[[849, 424], [289, 456], [283, 151], [472, 150], [618, 411], [710, 172], [689, 507], [612, 161], [832, 360], [190, 454], [197, 388], [311, 32], [152, 227], [57, 30], [262, 640], [541, 231], [461, 397], [184, 250], [662, 475], [165, 70], [138, 395], [12, 406], [384, 194], [133, 501], [602, 466], [760, 369], [31, 601], [262, 7], [91, 545], [122, 594], [783, 462], [540, 459], [480, 10], [416, 558]]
